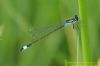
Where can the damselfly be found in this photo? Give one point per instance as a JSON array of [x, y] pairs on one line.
[[68, 22]]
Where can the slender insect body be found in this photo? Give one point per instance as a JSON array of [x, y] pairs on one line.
[[55, 28]]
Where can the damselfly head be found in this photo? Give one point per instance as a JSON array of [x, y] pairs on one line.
[[72, 20]]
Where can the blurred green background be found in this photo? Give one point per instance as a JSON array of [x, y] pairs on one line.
[[21, 19]]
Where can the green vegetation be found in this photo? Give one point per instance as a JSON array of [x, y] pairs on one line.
[[21, 20]]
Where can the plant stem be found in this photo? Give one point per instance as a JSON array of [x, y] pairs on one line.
[[84, 31]]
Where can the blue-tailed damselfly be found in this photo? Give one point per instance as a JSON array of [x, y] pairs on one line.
[[68, 22]]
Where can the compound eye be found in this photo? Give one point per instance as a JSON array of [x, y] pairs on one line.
[[76, 17]]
